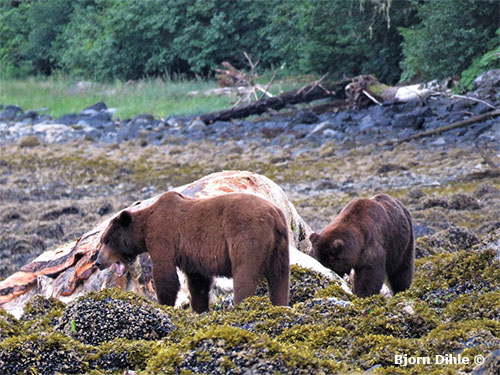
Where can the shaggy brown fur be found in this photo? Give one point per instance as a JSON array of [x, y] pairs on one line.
[[375, 238], [233, 235]]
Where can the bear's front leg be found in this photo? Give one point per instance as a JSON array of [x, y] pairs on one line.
[[199, 287], [166, 284]]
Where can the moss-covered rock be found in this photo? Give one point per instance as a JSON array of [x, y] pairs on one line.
[[95, 320], [42, 353], [9, 326], [221, 349], [449, 240], [42, 314]]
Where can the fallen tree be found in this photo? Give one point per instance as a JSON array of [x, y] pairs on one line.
[[314, 91], [357, 92]]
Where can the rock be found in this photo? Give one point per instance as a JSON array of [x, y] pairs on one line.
[[306, 117], [422, 230], [53, 132], [94, 109], [491, 362], [438, 142], [415, 194], [69, 119], [98, 120], [481, 108], [105, 209], [197, 125], [486, 189], [330, 133], [463, 202], [328, 149], [143, 120], [94, 321], [451, 240], [322, 126], [29, 141], [54, 214], [435, 201], [487, 85], [27, 115], [408, 121], [389, 167], [10, 112]]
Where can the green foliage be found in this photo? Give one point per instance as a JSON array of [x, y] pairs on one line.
[[450, 35], [133, 39], [351, 37], [490, 60]]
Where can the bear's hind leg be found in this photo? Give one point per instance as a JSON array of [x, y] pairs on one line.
[[199, 287], [244, 284], [401, 279], [279, 288], [368, 280]]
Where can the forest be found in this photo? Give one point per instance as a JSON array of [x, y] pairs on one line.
[[395, 40]]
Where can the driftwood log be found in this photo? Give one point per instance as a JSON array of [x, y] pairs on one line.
[[357, 92], [68, 272], [314, 91]]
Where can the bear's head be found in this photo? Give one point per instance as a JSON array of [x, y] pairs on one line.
[[119, 244], [333, 251]]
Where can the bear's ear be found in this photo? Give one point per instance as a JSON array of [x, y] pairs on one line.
[[125, 218], [337, 244], [314, 238]]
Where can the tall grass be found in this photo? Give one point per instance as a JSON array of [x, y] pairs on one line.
[[155, 96], [161, 98]]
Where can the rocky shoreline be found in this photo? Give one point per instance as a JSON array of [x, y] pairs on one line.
[[83, 167]]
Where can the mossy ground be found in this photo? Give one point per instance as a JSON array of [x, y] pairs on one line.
[[322, 334]]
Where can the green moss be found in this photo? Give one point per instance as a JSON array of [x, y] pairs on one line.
[[478, 269], [115, 293], [257, 314], [474, 306], [122, 354], [370, 350], [480, 334], [41, 314], [9, 326], [333, 291]]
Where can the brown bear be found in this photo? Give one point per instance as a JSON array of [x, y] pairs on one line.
[[233, 235], [375, 238]]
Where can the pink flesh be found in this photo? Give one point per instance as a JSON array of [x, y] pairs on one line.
[[120, 268]]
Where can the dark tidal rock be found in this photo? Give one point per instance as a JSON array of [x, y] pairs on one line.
[[105, 209], [93, 321], [463, 202], [10, 112], [41, 354], [54, 214], [94, 109], [486, 190], [306, 117], [450, 240], [408, 120]]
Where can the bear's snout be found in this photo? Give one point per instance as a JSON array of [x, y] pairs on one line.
[[98, 264]]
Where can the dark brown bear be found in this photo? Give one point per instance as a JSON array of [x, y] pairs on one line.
[[233, 235], [375, 238]]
